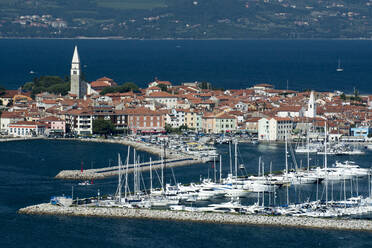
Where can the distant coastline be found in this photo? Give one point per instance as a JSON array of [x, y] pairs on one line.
[[176, 39]]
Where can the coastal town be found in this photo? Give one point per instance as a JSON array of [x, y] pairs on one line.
[[181, 124], [262, 112]]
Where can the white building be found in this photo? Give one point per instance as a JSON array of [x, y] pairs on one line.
[[274, 129], [26, 129], [290, 111], [7, 118], [311, 107], [170, 101]]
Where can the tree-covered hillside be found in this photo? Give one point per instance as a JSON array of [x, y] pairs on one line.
[[199, 19]]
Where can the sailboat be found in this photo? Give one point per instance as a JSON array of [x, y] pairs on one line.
[[339, 68]]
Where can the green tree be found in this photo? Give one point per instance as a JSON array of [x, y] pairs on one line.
[[125, 87], [205, 85], [51, 84], [163, 87], [2, 90], [343, 96], [28, 86], [103, 127], [183, 128]]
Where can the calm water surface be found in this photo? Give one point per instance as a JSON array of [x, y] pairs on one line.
[[228, 64]]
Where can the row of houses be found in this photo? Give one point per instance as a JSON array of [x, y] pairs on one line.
[[133, 120]]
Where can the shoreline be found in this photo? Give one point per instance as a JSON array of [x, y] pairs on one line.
[[201, 217]]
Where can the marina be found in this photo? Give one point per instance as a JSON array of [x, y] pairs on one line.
[[212, 192]]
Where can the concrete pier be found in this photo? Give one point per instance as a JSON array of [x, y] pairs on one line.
[[218, 218], [102, 173]]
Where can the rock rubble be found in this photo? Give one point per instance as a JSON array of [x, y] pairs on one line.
[[218, 218]]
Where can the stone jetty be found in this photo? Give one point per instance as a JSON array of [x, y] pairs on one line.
[[10, 139], [140, 146], [105, 172], [218, 218]]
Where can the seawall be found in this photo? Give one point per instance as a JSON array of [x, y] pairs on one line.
[[217, 218]]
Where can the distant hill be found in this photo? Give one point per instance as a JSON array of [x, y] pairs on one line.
[[191, 19]]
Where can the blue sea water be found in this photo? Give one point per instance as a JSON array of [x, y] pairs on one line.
[[225, 63], [27, 169]]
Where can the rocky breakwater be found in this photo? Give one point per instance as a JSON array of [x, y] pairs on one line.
[[78, 175], [141, 146], [219, 218], [105, 172]]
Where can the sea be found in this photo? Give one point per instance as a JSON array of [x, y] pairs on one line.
[[292, 64], [27, 170]]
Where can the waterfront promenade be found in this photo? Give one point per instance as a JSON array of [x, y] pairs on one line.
[[217, 218]]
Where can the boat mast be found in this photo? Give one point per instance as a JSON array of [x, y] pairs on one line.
[[220, 168], [286, 166], [236, 159], [119, 179], [325, 159], [271, 167], [126, 175], [259, 166], [150, 175], [138, 175], [369, 184], [165, 163], [308, 149], [162, 175], [345, 192], [134, 172], [263, 193], [230, 158], [214, 168]]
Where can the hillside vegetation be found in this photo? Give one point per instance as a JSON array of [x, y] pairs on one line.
[[191, 19]]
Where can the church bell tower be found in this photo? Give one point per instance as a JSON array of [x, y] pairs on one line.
[[77, 85]]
